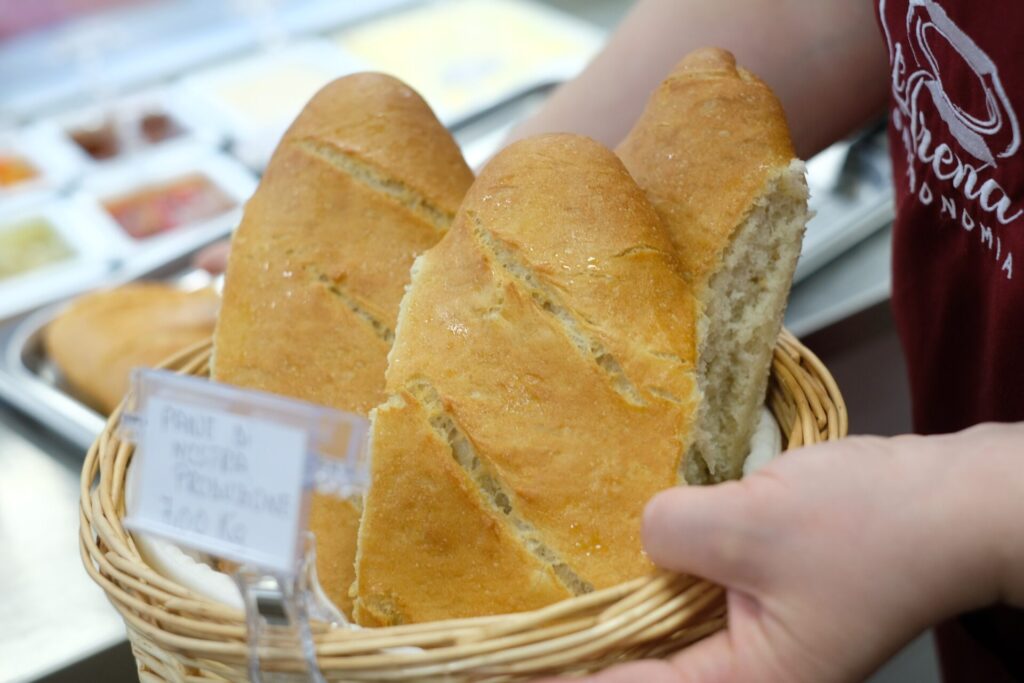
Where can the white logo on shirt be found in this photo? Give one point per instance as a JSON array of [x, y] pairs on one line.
[[963, 169]]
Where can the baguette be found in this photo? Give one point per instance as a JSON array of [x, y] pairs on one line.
[[364, 180], [713, 152], [103, 335], [541, 390]]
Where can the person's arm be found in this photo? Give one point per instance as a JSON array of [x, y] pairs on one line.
[[826, 61], [835, 556]]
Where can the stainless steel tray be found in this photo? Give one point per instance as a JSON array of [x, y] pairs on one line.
[[851, 197], [31, 382]]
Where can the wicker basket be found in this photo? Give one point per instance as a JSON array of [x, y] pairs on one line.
[[177, 635]]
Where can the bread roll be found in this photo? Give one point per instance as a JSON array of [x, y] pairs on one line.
[[541, 390], [712, 151], [365, 179], [104, 335]]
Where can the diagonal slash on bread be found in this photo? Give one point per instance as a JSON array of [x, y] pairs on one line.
[[363, 182], [542, 389]]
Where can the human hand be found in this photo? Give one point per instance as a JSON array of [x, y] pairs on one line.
[[835, 556], [214, 258]]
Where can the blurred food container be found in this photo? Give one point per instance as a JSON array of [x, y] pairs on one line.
[[465, 56], [33, 163], [254, 99], [121, 129], [165, 206], [49, 250], [168, 203], [30, 244]]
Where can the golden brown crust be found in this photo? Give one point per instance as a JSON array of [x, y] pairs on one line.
[[102, 336], [388, 125], [707, 143], [365, 179], [550, 337], [439, 541], [335, 551]]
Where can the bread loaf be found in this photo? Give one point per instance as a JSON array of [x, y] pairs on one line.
[[365, 179], [713, 152], [103, 336], [541, 390]]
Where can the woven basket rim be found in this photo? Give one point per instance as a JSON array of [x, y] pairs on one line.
[[179, 635]]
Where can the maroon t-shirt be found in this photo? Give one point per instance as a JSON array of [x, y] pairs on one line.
[[957, 71]]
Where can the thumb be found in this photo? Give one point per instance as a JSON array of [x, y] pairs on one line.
[[712, 660], [706, 531]]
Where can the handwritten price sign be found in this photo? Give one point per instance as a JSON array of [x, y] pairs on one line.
[[220, 482]]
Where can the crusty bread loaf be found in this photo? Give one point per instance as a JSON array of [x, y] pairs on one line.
[[712, 151], [541, 389], [365, 179], [103, 335]]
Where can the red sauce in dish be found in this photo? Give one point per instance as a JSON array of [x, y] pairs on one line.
[[160, 208]]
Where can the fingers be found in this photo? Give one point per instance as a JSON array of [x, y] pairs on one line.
[[705, 531], [709, 661], [647, 671], [712, 660], [214, 258]]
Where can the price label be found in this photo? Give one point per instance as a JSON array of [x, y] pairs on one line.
[[225, 471]]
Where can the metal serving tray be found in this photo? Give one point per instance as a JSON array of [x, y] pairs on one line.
[[852, 194], [31, 382]]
